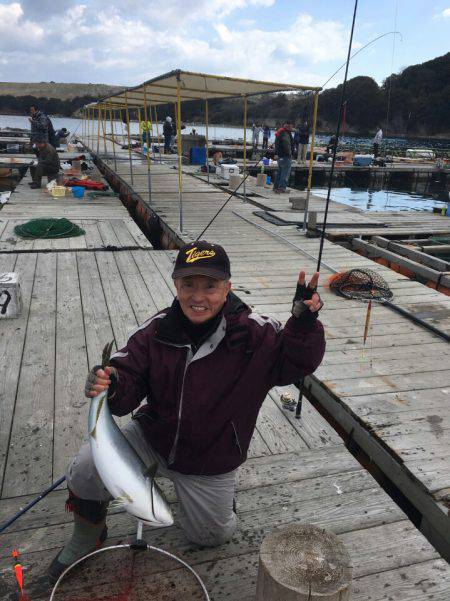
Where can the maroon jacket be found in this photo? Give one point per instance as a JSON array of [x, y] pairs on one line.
[[201, 408]]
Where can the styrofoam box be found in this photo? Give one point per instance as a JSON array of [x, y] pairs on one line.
[[10, 295]]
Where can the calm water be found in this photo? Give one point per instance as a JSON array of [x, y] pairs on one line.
[[366, 199], [381, 200]]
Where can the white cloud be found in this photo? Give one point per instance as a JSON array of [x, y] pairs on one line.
[[118, 43], [446, 13], [15, 30]]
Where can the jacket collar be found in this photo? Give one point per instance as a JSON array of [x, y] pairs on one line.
[[169, 328]]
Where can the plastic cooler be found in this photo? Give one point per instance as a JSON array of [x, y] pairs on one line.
[[227, 170], [362, 160], [197, 155]]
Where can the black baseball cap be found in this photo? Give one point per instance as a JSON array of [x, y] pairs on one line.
[[202, 258]]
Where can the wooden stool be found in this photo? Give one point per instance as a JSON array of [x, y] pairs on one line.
[[261, 179], [303, 563], [235, 181], [10, 295]]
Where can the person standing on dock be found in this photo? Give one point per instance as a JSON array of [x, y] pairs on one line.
[[48, 163], [302, 141], [204, 365], [283, 151], [266, 136], [39, 125], [144, 127], [377, 141], [168, 133]]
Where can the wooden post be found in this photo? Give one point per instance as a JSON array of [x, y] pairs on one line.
[[312, 220], [303, 563]]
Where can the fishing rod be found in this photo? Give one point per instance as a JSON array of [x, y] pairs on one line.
[[31, 504], [301, 383]]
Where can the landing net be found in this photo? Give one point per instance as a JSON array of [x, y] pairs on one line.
[[361, 284]]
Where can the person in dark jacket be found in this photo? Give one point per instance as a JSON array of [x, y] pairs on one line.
[[204, 365], [284, 151], [168, 133], [48, 163], [39, 125], [266, 136], [302, 139]]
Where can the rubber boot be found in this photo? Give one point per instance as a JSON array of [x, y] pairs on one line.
[[89, 533]]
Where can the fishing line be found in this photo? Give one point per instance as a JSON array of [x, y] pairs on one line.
[[227, 200], [361, 49]]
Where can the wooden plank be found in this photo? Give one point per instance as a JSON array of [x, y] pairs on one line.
[[71, 368], [97, 324], [30, 456]]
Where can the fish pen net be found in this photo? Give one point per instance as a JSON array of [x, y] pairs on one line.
[[361, 284], [124, 572], [48, 228]]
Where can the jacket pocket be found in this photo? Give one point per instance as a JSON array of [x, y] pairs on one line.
[[236, 438]]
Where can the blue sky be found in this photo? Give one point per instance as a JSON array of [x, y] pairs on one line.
[[128, 41]]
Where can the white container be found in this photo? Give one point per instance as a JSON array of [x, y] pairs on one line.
[[10, 295], [420, 153], [227, 170]]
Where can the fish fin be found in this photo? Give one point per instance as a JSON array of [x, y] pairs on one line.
[[117, 503], [150, 472], [106, 354]]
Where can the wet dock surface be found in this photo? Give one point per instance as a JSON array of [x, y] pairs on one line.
[[82, 294]]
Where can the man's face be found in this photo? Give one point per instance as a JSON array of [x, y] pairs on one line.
[[201, 297], [41, 145], [33, 110]]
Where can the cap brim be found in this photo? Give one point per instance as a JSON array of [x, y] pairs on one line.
[[207, 271]]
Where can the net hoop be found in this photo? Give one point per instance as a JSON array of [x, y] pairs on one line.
[[128, 546]]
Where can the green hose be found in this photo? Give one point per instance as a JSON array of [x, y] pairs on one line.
[[48, 228]]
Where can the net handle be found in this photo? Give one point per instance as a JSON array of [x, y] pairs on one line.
[[128, 546]]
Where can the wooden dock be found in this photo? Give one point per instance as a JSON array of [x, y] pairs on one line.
[[266, 267], [81, 295]]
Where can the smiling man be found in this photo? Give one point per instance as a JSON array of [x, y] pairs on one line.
[[204, 366]]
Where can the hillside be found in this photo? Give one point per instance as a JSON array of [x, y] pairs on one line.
[[62, 91], [418, 103]]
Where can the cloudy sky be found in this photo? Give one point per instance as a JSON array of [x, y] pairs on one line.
[[128, 41]]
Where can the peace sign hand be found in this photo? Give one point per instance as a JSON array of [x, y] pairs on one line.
[[307, 302]]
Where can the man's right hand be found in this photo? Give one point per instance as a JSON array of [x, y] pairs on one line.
[[98, 380]]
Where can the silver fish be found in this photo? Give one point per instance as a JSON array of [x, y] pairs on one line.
[[121, 469]]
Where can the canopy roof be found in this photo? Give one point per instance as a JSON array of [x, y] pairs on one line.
[[193, 86]]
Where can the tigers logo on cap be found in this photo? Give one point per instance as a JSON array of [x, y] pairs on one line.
[[202, 258], [193, 254]]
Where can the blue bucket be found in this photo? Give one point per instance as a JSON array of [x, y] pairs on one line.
[[78, 191], [268, 180]]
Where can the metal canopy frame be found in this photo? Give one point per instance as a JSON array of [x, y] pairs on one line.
[[176, 87]]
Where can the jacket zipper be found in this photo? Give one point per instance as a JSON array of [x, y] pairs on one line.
[[173, 450], [236, 438]]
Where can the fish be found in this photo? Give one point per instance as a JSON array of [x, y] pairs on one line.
[[129, 481]]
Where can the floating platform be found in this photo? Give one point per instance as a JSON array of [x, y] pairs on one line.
[[77, 299]]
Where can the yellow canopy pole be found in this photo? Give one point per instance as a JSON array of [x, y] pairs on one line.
[[157, 135], [207, 139], [311, 160], [112, 136], [151, 132], [180, 178], [98, 130], [245, 144], [104, 132], [147, 139], [128, 137]]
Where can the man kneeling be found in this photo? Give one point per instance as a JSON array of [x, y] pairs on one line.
[[205, 366]]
